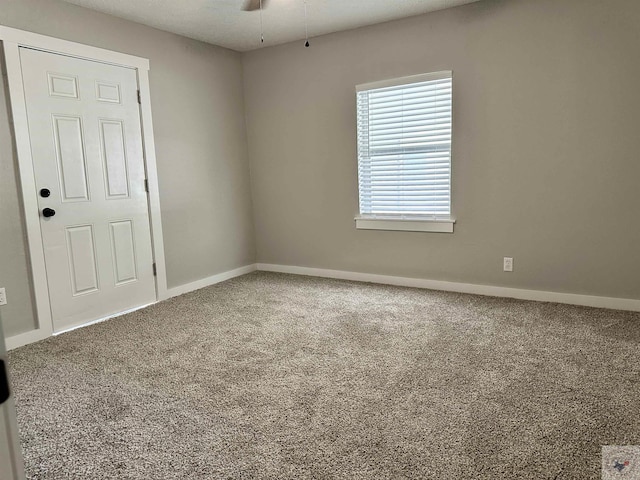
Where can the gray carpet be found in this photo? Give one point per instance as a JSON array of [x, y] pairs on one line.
[[276, 376]]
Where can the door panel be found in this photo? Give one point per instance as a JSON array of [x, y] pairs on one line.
[[108, 92], [114, 157], [124, 253], [86, 143], [72, 170], [63, 86], [82, 259]]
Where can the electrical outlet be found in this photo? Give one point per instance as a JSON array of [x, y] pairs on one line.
[[507, 264], [3, 297]]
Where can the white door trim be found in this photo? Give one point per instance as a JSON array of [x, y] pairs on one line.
[[12, 40]]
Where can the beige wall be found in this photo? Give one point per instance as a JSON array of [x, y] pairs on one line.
[[546, 164], [197, 102]]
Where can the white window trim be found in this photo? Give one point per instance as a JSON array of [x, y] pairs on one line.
[[405, 224], [394, 82]]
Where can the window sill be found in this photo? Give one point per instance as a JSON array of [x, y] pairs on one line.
[[406, 224]]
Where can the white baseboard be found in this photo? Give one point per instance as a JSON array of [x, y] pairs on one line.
[[26, 338], [488, 290], [212, 280]]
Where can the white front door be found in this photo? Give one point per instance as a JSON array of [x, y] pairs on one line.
[[11, 466], [86, 145]]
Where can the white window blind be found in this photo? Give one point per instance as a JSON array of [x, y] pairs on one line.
[[404, 146]]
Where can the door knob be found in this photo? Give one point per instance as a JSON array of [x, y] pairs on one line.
[[48, 212], [45, 192]]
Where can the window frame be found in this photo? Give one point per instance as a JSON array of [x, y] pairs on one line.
[[412, 223]]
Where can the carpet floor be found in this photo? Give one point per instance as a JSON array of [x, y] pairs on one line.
[[272, 376]]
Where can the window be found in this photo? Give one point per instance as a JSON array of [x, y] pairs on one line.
[[404, 153]]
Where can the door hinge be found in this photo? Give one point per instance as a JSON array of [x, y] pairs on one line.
[[139, 98], [155, 271], [146, 185]]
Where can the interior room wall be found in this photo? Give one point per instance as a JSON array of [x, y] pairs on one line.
[[198, 114], [545, 149]]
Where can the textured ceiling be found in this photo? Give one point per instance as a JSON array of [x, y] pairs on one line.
[[222, 22]]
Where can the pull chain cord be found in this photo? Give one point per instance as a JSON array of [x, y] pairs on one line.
[[261, 28], [306, 25]]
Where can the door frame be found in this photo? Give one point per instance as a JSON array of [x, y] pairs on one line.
[[12, 40]]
